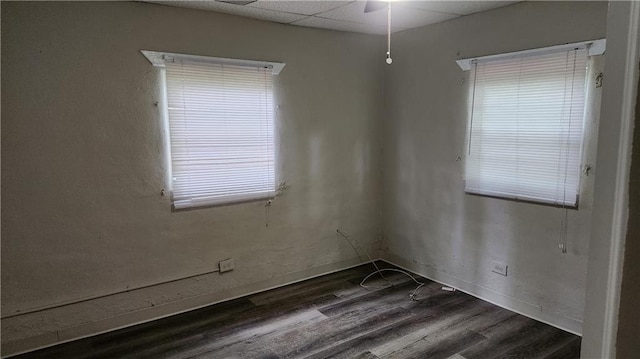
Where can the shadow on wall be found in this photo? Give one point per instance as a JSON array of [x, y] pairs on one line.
[[628, 344]]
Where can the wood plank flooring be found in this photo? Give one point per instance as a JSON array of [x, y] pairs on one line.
[[333, 317]]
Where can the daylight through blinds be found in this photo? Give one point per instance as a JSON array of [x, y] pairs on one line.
[[221, 130], [526, 127]]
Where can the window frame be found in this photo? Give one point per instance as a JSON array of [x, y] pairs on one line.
[[159, 59], [594, 47]]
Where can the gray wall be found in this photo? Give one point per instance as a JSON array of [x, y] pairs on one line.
[[628, 344], [612, 200], [430, 225], [82, 165]]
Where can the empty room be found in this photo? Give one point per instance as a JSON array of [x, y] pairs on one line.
[[320, 179]]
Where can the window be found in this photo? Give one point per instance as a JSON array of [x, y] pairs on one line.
[[220, 124], [526, 126]]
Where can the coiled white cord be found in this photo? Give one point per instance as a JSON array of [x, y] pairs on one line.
[[379, 271]]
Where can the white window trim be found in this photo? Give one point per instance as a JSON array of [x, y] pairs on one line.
[[595, 47], [158, 58]]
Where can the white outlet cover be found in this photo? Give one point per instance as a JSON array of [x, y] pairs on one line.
[[226, 265], [500, 268]]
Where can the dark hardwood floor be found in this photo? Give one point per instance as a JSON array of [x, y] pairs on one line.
[[333, 317]]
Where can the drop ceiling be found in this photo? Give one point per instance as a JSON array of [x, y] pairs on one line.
[[345, 15]]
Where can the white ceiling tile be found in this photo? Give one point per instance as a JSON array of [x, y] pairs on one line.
[[346, 15], [354, 12], [248, 11], [323, 23], [410, 18], [402, 17], [298, 7], [455, 7]]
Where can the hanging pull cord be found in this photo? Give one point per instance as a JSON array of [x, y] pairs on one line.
[[267, 206], [389, 60]]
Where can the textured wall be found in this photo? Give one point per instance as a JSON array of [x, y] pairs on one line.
[[629, 319], [430, 224], [613, 201], [82, 164]]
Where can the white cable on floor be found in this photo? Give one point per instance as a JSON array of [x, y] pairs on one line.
[[412, 296], [379, 271]]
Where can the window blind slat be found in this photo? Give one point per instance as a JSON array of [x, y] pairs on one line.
[[525, 137], [221, 130]]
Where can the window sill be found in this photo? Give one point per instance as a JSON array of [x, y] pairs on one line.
[[528, 201]]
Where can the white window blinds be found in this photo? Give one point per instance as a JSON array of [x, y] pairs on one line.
[[221, 132], [526, 126]]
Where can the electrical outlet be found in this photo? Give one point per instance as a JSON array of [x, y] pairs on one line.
[[500, 268], [226, 265]]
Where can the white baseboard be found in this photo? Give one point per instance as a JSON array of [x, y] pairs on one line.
[[68, 334], [129, 319], [516, 305]]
